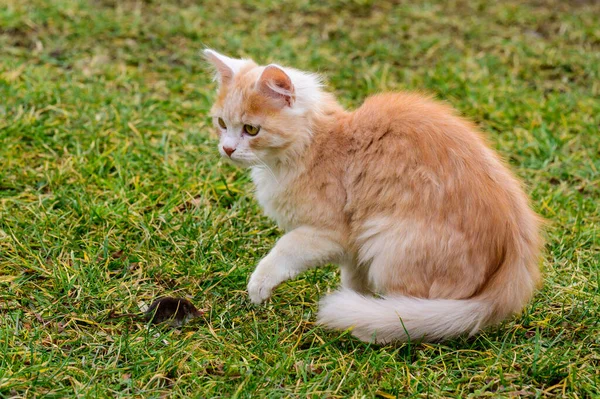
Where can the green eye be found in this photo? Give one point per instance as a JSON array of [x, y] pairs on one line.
[[251, 130], [222, 123]]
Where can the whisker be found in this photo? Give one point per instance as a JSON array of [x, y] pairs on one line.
[[268, 168]]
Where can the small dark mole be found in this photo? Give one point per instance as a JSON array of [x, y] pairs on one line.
[[176, 310]]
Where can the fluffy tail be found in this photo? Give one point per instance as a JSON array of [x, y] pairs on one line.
[[398, 318], [401, 318]]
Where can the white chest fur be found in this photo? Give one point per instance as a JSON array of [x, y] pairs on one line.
[[274, 198]]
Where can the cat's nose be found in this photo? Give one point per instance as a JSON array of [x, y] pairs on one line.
[[228, 150]]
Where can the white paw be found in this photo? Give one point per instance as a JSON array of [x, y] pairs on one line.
[[260, 286]]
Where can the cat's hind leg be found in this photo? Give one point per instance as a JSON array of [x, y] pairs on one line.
[[355, 277]]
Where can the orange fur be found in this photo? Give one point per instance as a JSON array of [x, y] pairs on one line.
[[404, 194]]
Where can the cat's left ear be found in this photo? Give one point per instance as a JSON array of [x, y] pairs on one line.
[[225, 67], [277, 85]]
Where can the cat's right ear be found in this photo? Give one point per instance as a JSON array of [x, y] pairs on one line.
[[224, 66]]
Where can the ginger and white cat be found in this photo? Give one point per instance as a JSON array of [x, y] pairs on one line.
[[403, 194]]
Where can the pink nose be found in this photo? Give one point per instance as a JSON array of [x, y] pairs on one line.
[[228, 150]]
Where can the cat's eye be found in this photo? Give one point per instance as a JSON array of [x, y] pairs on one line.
[[222, 123], [251, 130]]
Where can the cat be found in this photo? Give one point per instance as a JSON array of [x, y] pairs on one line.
[[433, 234]]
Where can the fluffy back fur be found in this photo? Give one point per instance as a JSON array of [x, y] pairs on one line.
[[402, 193]]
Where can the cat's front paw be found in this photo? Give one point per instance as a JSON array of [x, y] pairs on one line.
[[264, 279], [260, 287]]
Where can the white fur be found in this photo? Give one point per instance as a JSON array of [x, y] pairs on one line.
[[399, 318], [307, 88], [270, 185]]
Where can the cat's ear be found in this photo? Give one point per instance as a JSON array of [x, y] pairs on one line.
[[225, 67], [277, 85]]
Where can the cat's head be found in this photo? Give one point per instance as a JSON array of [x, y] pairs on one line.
[[263, 114]]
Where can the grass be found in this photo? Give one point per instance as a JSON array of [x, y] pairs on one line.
[[112, 193]]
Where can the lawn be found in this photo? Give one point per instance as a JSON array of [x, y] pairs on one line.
[[112, 193]]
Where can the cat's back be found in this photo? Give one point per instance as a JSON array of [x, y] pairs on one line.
[[411, 133], [412, 152], [413, 116]]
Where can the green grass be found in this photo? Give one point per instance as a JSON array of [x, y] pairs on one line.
[[112, 193]]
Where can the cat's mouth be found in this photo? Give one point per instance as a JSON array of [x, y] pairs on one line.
[[241, 160]]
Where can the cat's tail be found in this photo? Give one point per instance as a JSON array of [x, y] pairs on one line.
[[400, 318]]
